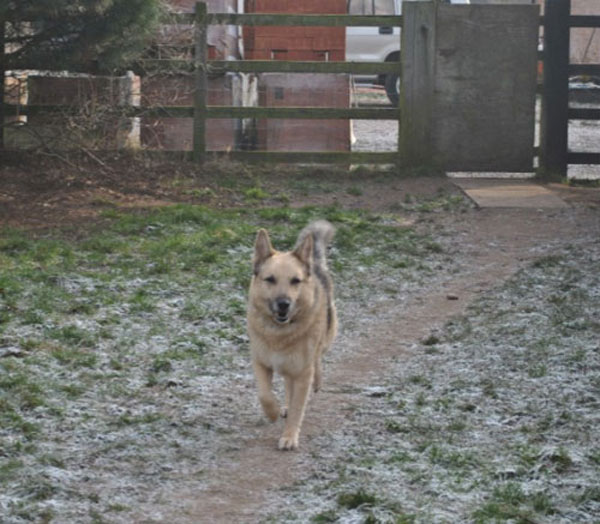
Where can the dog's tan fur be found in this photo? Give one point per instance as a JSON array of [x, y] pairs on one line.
[[291, 322]]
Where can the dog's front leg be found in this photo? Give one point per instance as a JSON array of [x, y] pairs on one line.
[[288, 395], [264, 382], [300, 388]]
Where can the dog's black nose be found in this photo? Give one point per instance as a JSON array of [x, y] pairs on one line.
[[283, 305]]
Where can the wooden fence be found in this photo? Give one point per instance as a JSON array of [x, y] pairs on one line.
[[556, 113], [553, 152], [201, 67]]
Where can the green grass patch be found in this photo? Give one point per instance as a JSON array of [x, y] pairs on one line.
[[509, 503], [131, 314], [353, 500]]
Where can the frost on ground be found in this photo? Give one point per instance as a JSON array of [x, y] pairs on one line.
[[124, 370], [124, 376], [495, 419]]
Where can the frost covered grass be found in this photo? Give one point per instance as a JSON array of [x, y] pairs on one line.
[[496, 419], [124, 375], [114, 342]]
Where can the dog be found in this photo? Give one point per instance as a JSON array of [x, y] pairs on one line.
[[292, 321]]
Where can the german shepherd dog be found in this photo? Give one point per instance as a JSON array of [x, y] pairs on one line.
[[292, 321]]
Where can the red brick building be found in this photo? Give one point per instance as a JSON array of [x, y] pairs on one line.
[[299, 90]]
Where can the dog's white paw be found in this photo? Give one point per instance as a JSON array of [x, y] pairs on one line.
[[283, 412], [288, 443]]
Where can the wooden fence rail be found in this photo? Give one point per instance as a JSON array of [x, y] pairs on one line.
[[204, 19], [308, 113]]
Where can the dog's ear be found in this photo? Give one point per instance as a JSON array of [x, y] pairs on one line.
[[304, 252], [262, 249]]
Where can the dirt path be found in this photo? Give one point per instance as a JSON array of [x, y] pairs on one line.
[[494, 244], [239, 476]]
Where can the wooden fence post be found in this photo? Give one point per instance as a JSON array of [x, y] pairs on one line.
[[2, 81], [200, 64], [418, 63], [554, 132], [398, 108]]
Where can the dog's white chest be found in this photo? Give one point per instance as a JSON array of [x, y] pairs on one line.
[[285, 362], [279, 361]]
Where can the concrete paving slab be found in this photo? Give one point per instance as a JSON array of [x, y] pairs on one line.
[[509, 193]]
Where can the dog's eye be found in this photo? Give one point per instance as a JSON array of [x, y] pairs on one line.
[[295, 281], [271, 280]]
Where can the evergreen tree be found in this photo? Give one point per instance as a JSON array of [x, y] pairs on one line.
[[77, 35]]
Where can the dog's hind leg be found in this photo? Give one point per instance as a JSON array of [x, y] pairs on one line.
[[318, 363], [264, 382], [299, 397], [318, 375]]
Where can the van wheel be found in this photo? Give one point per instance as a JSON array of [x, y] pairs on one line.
[[392, 88]]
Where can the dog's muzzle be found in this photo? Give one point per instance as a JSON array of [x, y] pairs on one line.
[[282, 309]]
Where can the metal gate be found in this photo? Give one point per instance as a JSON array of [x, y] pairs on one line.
[[555, 156]]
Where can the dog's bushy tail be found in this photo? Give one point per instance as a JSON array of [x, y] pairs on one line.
[[322, 232]]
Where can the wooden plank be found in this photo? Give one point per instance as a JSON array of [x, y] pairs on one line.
[[259, 19], [157, 65], [398, 108], [280, 157], [506, 193], [307, 157], [555, 101], [142, 67], [320, 113], [200, 59], [418, 72], [282, 19], [325, 113], [584, 21], [283, 157], [157, 112], [2, 81], [583, 158], [584, 69], [282, 66], [124, 111], [577, 113]]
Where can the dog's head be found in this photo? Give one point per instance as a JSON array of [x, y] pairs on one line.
[[282, 280]]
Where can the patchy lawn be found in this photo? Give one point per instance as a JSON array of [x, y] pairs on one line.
[[126, 393], [111, 343], [495, 419]]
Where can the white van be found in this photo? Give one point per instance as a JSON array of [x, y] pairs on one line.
[[378, 44]]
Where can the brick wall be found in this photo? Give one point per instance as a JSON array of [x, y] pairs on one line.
[[305, 90], [295, 43], [300, 90]]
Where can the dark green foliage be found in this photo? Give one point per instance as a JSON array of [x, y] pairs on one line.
[[78, 35]]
